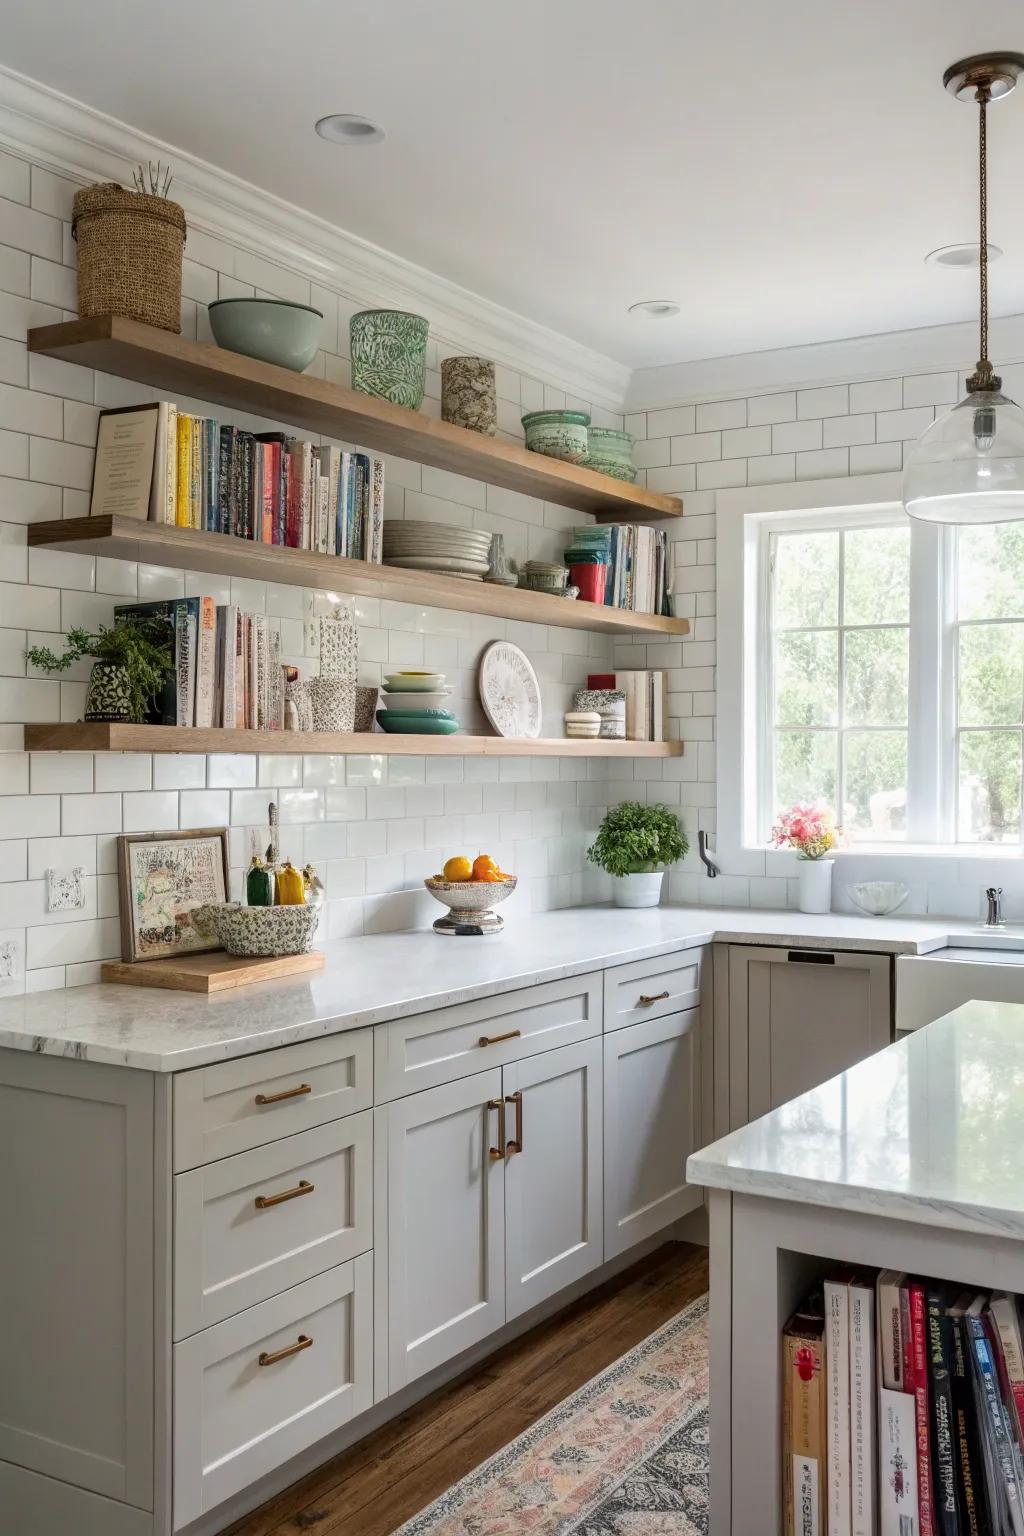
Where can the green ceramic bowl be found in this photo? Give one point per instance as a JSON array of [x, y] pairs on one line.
[[610, 452], [397, 722], [270, 329], [558, 434]]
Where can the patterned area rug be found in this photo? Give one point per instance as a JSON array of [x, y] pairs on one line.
[[626, 1455]]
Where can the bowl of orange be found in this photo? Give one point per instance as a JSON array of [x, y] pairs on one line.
[[469, 888]]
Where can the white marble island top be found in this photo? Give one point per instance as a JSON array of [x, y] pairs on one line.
[[929, 1130], [388, 976]]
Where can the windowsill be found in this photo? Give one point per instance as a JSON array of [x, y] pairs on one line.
[[777, 857]]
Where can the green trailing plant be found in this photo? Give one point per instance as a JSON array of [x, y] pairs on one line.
[[141, 648], [636, 839]]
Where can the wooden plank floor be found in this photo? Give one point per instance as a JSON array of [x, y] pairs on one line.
[[375, 1486]]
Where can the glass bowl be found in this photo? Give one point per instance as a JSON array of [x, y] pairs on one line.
[[878, 897]]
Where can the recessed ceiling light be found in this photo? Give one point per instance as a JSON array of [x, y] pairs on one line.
[[349, 128], [657, 309], [967, 254]]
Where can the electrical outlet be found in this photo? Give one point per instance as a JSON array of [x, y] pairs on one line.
[[65, 889]]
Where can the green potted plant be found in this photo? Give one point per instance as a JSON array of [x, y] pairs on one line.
[[634, 845], [131, 665]]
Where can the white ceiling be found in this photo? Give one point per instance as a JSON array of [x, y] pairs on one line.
[[779, 168]]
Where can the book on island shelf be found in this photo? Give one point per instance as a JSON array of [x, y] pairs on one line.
[[902, 1409], [155, 462]]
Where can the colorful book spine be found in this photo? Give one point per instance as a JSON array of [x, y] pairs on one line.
[[943, 1448], [183, 479], [919, 1386], [862, 1407], [971, 1499], [897, 1464], [995, 1428], [206, 662], [890, 1333], [803, 1422], [1004, 1316]]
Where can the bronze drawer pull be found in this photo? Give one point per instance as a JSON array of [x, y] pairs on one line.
[[303, 1187], [497, 1154], [646, 999], [289, 1093], [516, 1144], [513, 1034], [302, 1342]]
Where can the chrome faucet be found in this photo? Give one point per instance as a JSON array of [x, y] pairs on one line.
[[994, 897]]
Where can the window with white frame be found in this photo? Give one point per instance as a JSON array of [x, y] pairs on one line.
[[889, 662]]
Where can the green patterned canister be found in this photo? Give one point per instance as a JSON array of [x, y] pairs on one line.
[[559, 434], [469, 394], [389, 355], [109, 695], [610, 452]]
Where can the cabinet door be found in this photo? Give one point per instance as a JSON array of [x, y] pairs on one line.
[[799, 1017], [553, 1182], [445, 1223], [651, 1125], [77, 1273]]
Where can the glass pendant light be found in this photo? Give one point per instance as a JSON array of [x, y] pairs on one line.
[[968, 467]]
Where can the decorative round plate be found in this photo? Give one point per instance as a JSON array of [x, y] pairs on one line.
[[509, 690]]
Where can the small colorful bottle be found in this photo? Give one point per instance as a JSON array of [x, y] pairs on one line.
[[290, 888], [259, 884]]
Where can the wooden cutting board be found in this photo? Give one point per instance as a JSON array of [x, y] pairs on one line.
[[212, 971]]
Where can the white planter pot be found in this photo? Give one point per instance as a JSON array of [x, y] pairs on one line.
[[637, 890], [816, 885]]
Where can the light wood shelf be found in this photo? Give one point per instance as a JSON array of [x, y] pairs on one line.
[[174, 365], [127, 538], [88, 737]]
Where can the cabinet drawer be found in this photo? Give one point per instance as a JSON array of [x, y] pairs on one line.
[[243, 1232], [649, 989], [245, 1400], [433, 1048], [236, 1105]]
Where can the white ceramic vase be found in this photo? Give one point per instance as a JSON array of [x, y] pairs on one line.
[[637, 890], [815, 885]]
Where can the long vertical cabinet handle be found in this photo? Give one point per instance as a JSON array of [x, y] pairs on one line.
[[497, 1154], [516, 1144]]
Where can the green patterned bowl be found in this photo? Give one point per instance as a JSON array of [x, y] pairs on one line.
[[558, 434], [389, 355], [610, 452], [271, 329]]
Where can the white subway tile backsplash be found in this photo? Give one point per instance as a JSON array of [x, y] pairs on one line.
[[796, 436], [82, 813], [894, 426], [720, 414], [765, 410]]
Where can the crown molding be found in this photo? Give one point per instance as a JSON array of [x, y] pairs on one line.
[[929, 349], [77, 141]]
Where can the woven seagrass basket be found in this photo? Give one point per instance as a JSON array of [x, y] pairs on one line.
[[130, 247]]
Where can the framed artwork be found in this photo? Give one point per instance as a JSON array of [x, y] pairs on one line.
[[161, 878]]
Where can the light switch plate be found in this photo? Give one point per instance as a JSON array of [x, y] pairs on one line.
[[65, 889]]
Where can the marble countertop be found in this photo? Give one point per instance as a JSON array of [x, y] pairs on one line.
[[929, 1130], [389, 976]]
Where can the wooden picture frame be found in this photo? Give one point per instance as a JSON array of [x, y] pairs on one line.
[[161, 876]]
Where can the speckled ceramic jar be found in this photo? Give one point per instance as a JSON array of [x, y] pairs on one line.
[[610, 452], [558, 434], [469, 395], [108, 696], [389, 355]]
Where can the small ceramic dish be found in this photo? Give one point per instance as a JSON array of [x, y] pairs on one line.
[[415, 682], [258, 930], [878, 897], [429, 723], [558, 434], [415, 699]]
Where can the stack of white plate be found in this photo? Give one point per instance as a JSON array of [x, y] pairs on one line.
[[582, 724], [440, 547]]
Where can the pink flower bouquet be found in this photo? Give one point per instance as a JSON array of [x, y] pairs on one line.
[[810, 829]]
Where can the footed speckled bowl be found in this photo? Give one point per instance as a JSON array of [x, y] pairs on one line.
[[470, 902], [258, 930]]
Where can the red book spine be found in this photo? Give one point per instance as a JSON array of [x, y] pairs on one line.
[[277, 477], [919, 1336], [267, 486]]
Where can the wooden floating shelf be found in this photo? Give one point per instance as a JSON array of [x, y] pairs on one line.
[[128, 538], [90, 737], [174, 365]]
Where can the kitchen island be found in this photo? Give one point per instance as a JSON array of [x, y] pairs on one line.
[[910, 1160]]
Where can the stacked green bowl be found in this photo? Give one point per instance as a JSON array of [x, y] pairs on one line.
[[610, 452]]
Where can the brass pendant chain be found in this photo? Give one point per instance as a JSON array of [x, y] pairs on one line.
[[983, 378]]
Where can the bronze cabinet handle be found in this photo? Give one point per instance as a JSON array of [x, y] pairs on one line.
[[303, 1187], [497, 1154], [647, 998], [516, 1144], [302, 1342], [289, 1093], [512, 1034]]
